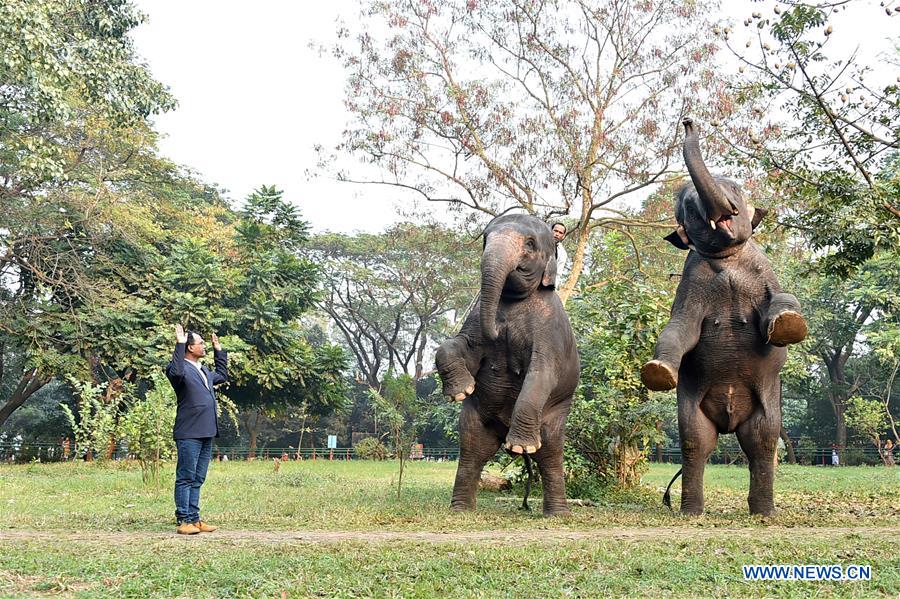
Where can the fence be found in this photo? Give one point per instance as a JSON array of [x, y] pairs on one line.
[[23, 452], [810, 456]]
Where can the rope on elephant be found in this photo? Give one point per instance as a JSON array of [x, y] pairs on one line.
[[527, 482]]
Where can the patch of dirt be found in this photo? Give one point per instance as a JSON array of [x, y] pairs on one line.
[[505, 537], [18, 583]]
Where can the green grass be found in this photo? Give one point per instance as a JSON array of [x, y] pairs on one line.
[[325, 495], [95, 530]]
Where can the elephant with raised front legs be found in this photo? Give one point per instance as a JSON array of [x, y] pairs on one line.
[[514, 363], [725, 344]]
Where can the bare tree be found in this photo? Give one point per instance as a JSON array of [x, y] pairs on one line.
[[553, 107], [394, 296]]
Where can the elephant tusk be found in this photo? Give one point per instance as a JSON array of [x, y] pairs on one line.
[[712, 224]]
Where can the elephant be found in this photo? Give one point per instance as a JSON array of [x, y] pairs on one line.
[[725, 343], [514, 362]]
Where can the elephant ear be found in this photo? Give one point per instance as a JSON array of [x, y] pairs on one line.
[[675, 239], [548, 279], [758, 215]]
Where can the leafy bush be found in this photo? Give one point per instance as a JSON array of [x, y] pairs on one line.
[[148, 428], [96, 426], [371, 448], [615, 421]]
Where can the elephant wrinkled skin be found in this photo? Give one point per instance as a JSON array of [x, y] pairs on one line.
[[724, 346], [514, 362]]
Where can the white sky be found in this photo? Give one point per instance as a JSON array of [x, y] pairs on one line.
[[254, 98]]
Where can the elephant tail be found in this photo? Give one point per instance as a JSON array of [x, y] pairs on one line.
[[667, 497], [530, 471]]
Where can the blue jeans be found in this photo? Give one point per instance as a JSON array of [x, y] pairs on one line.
[[193, 462]]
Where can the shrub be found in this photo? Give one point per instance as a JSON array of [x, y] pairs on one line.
[[95, 426], [148, 428], [370, 448]]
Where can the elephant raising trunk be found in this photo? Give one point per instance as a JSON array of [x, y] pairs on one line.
[[500, 258], [715, 203]]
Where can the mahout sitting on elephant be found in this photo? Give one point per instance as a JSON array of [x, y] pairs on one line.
[[725, 343], [514, 363]]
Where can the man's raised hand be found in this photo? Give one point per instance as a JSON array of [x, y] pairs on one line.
[[180, 335], [215, 341]]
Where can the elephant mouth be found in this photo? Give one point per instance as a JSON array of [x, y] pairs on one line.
[[725, 224]]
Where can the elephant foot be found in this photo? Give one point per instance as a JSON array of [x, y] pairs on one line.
[[691, 511], [462, 506], [460, 387], [787, 328], [521, 447], [557, 512], [659, 376], [766, 510]]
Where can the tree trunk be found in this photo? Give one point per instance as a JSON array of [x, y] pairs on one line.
[[30, 382], [253, 430], [841, 432], [577, 263], [838, 395], [251, 452], [791, 456], [111, 447]]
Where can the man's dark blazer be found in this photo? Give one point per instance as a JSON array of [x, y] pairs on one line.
[[196, 415]]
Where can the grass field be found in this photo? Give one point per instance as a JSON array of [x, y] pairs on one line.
[[337, 529]]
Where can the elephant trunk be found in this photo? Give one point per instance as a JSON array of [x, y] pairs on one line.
[[500, 258], [714, 202]]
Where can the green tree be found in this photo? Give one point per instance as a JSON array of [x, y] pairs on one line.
[[65, 63], [73, 104], [868, 417], [842, 312], [279, 368], [394, 297], [834, 154]]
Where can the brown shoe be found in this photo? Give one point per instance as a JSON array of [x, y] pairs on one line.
[[186, 528], [204, 527]]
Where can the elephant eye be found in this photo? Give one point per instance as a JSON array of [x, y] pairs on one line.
[[529, 245]]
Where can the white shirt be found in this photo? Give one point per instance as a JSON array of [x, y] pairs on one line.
[[561, 258], [200, 370]]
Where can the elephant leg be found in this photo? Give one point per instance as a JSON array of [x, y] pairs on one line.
[[452, 361], [783, 323], [477, 444], [524, 434], [758, 436], [698, 440], [677, 338], [550, 462]]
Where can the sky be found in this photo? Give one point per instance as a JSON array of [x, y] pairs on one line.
[[255, 98]]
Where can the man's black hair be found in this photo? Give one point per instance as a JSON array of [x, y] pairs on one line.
[[563, 225], [190, 338]]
